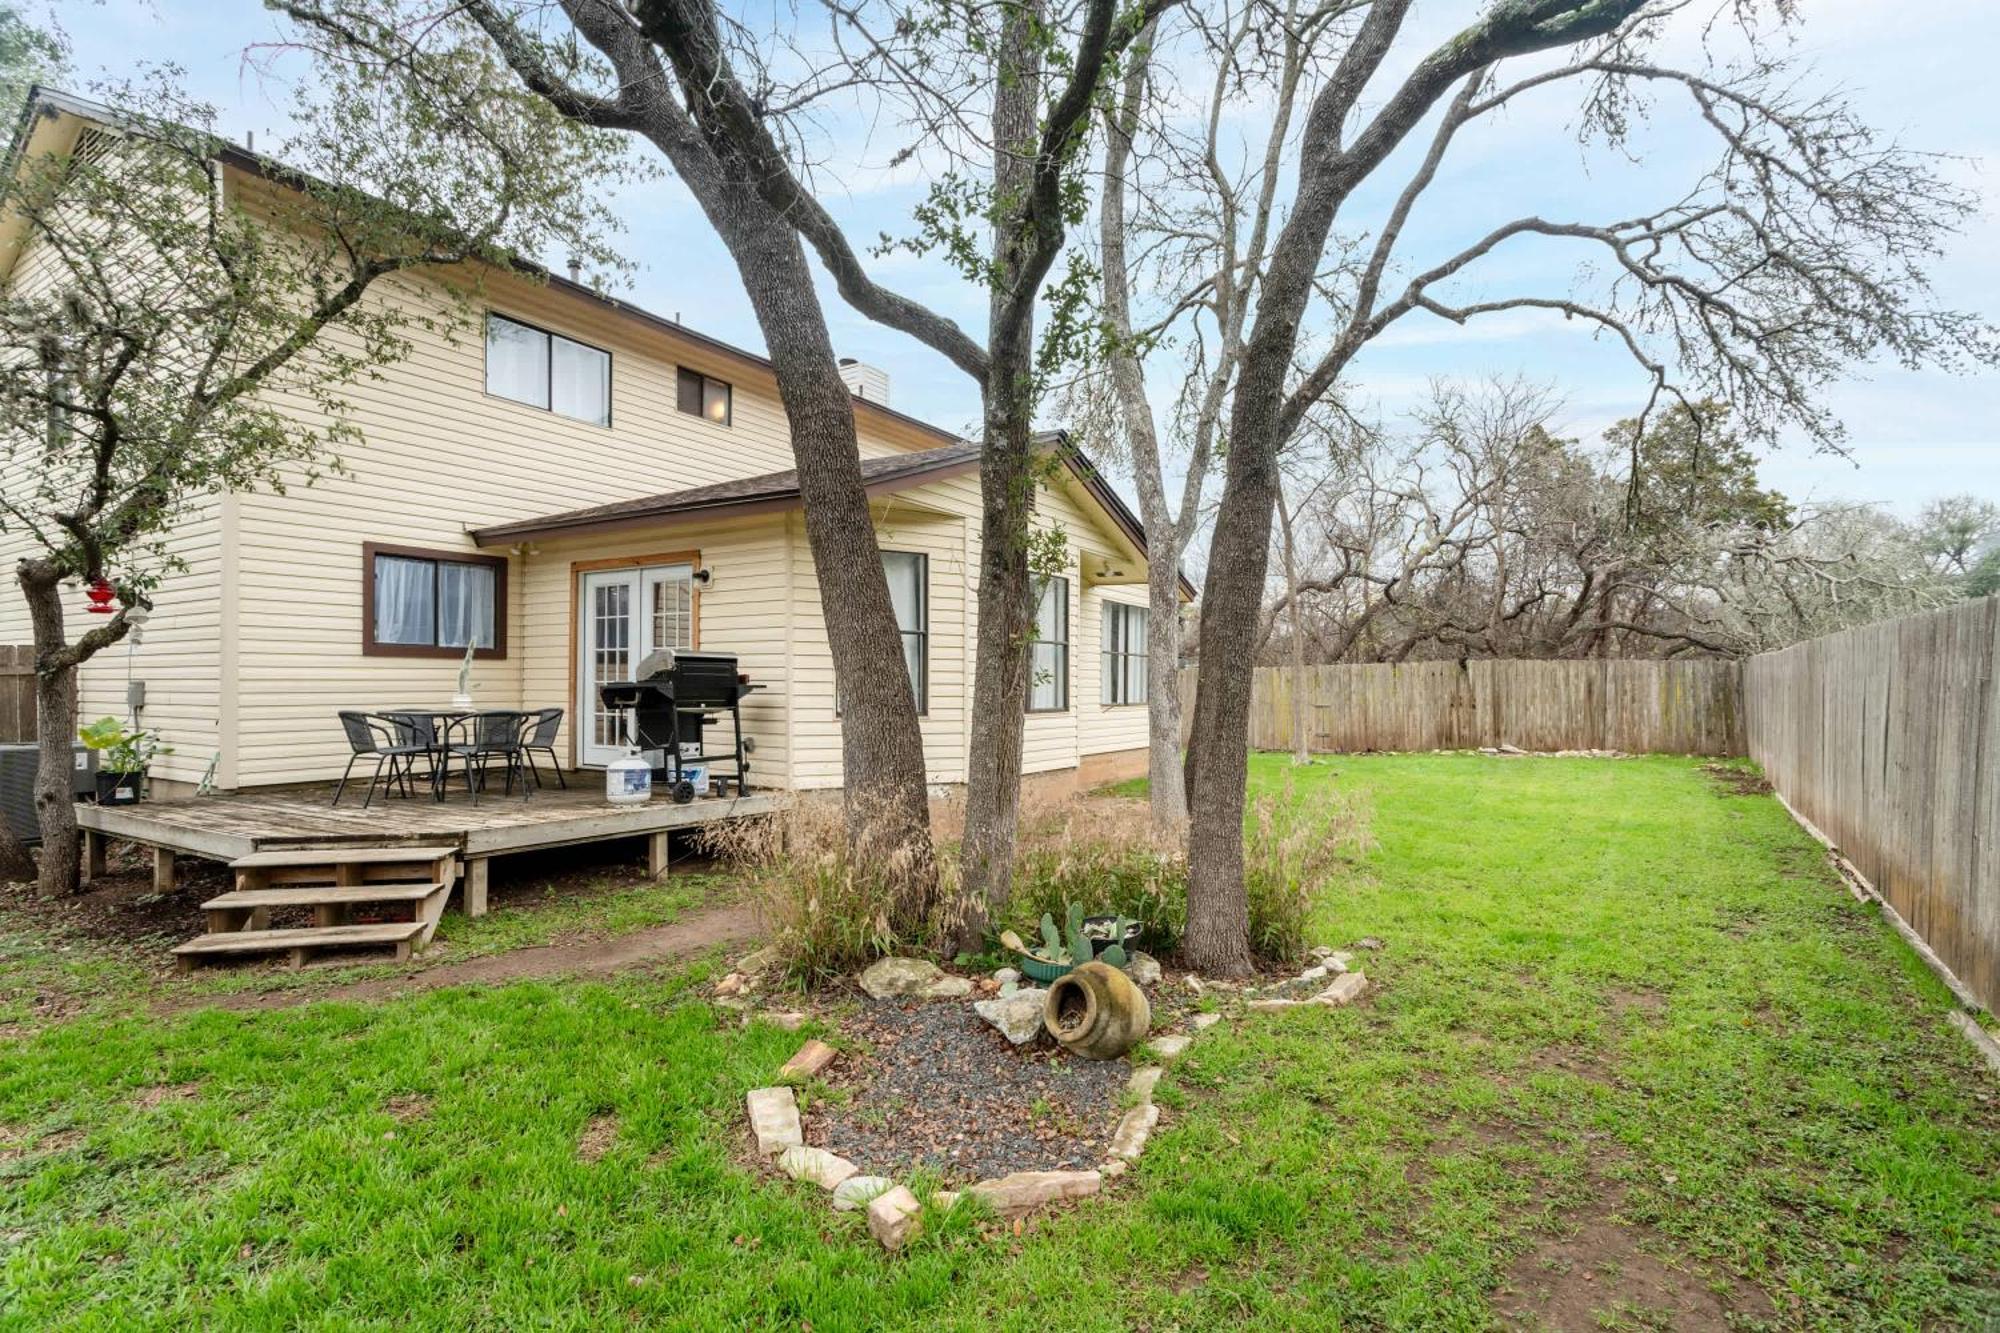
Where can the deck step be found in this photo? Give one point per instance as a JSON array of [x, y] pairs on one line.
[[325, 854], [326, 895], [299, 943]]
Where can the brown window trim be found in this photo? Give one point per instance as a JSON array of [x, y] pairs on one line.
[[370, 648]]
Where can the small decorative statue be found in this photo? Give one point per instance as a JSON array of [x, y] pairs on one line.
[[463, 699]]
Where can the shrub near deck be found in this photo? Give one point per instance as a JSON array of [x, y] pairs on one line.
[[1630, 1049]]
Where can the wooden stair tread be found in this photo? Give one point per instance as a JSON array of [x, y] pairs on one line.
[[257, 941], [324, 895], [334, 855]]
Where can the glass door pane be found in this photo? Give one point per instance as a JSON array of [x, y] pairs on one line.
[[606, 650]]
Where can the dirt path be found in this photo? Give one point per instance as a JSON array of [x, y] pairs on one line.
[[709, 928]]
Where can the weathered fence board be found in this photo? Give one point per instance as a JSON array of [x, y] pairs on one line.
[[1691, 707], [1887, 737], [17, 692]]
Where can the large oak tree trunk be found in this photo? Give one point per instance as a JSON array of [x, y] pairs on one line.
[[1007, 498], [55, 735], [1167, 787], [1218, 927], [881, 740]]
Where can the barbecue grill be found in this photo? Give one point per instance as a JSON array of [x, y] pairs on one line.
[[668, 707]]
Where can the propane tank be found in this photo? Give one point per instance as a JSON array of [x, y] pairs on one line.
[[628, 780]]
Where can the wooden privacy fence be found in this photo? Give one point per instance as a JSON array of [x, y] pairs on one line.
[[1887, 737], [1689, 707], [17, 692]]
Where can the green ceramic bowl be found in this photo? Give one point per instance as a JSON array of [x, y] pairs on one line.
[[1036, 970]]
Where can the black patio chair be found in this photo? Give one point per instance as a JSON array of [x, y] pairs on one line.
[[379, 738], [421, 730], [476, 740], [542, 740]]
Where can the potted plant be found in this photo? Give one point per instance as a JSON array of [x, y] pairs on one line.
[[123, 755], [1061, 951]]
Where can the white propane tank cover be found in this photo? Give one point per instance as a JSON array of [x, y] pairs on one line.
[[628, 780]]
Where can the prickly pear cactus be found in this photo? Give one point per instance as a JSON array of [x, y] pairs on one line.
[[1052, 944], [1113, 956], [1080, 949]]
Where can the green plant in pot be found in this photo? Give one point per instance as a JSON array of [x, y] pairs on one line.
[[123, 755], [1062, 950]]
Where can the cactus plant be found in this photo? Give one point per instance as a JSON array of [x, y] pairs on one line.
[[1080, 948]]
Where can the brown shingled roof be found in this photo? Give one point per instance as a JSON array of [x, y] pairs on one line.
[[772, 490]]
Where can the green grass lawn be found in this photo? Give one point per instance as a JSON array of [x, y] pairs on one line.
[[1634, 1051]]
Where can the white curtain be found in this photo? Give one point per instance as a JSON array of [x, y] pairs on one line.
[[405, 611], [905, 572], [465, 605], [517, 361], [580, 381], [1048, 658]]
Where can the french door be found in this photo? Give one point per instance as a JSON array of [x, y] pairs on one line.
[[624, 616]]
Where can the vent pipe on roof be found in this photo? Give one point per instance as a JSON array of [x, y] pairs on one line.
[[865, 381], [575, 269]]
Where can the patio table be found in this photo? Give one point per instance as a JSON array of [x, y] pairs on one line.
[[434, 728]]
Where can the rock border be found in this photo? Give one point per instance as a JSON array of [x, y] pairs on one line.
[[892, 1211]]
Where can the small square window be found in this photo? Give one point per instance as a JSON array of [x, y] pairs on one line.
[[700, 395]]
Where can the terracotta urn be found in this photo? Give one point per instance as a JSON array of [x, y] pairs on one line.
[[1096, 1011]]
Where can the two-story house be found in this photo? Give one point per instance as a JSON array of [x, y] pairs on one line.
[[572, 485]]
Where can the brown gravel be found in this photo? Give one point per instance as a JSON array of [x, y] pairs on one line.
[[931, 1084]]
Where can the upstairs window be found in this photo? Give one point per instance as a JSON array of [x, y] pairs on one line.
[[419, 603], [1122, 671], [546, 370], [1048, 655], [700, 395]]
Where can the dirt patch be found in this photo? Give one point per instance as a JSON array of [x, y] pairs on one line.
[[1577, 1061], [1735, 781], [1646, 1004], [697, 932], [161, 1093], [407, 1108], [121, 909], [933, 1085], [1603, 1271], [597, 1138]]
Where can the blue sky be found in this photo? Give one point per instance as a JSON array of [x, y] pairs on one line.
[[1918, 69]]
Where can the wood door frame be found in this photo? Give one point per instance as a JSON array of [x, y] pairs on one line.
[[577, 569]]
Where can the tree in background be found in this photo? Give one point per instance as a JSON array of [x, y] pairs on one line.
[[1803, 250], [159, 313], [1955, 532], [1486, 534]]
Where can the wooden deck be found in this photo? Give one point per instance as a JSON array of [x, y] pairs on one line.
[[229, 827]]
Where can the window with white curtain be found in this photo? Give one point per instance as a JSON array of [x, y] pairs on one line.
[[423, 603], [908, 573], [1122, 652], [546, 370], [1048, 655]]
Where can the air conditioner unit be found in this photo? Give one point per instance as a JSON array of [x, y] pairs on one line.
[[17, 785]]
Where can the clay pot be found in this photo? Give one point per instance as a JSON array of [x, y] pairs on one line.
[[1097, 1012]]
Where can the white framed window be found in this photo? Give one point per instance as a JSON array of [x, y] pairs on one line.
[[909, 573], [541, 369], [1122, 653], [1048, 655]]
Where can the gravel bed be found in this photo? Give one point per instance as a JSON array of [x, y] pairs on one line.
[[937, 1087]]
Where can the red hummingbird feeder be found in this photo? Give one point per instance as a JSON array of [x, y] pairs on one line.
[[101, 595]]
